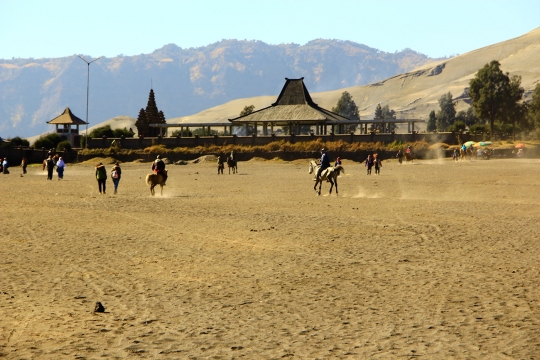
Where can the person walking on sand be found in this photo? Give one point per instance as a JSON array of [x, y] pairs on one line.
[[116, 174], [5, 166], [220, 165], [101, 177], [24, 164], [369, 164], [377, 162], [49, 164], [60, 166], [399, 155]]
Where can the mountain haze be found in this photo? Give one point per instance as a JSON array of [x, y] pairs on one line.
[[185, 81]]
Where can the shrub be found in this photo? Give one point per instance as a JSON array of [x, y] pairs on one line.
[[63, 146], [118, 133], [49, 141], [17, 141], [102, 131]]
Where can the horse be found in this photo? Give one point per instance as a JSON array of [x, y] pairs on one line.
[[153, 180], [409, 157], [462, 154], [231, 163], [331, 174]]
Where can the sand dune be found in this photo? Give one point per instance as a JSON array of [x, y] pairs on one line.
[[436, 259]]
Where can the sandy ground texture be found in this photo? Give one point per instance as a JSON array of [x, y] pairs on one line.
[[428, 260]]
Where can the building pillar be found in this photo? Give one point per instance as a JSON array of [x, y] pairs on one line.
[[408, 127]]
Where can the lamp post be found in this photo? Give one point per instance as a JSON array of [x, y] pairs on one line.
[[87, 90]]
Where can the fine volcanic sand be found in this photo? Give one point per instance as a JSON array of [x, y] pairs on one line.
[[434, 260]]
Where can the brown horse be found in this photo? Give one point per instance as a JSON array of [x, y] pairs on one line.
[[409, 157], [153, 180]]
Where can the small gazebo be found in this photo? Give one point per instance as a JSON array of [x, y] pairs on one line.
[[64, 126], [294, 108]]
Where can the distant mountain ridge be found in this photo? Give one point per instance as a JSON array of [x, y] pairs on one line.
[[185, 81]]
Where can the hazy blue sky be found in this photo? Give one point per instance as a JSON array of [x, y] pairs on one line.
[[55, 28]]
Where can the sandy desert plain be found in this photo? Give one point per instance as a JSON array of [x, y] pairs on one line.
[[430, 260]]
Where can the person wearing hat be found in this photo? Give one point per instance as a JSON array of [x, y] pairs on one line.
[[325, 163], [158, 167]]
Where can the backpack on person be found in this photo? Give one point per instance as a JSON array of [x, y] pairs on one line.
[[114, 174]]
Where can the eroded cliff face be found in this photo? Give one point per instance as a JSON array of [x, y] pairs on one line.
[[186, 81]]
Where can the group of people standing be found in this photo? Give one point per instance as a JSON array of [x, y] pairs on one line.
[[373, 161], [52, 162], [158, 167]]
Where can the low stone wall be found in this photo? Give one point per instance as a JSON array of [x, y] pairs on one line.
[[173, 142], [33, 156]]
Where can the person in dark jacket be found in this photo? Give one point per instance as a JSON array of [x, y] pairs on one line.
[[369, 164], [325, 162], [158, 167], [377, 162], [49, 164], [101, 177]]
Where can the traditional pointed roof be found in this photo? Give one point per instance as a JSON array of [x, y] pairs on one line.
[[67, 117], [294, 104]]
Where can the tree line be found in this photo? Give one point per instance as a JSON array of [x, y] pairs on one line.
[[497, 106]]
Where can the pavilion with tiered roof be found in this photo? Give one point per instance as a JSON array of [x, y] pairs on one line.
[[64, 126], [294, 108]]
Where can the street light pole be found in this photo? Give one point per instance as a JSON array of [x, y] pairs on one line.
[[87, 91]]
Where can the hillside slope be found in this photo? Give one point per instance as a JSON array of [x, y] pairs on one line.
[[414, 94]]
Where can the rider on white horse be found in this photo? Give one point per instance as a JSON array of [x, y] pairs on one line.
[[325, 163]]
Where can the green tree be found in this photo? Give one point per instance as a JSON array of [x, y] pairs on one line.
[[493, 94], [63, 146], [247, 110], [447, 114], [533, 109], [102, 131], [468, 117], [432, 122], [16, 141], [117, 133], [378, 113], [458, 126], [515, 111], [48, 141], [346, 107]]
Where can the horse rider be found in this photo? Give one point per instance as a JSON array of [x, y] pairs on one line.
[[158, 167], [232, 155], [325, 163], [408, 151]]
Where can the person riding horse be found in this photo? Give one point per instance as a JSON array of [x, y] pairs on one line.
[[158, 167], [325, 163]]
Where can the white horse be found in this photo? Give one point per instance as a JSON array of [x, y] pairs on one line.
[[331, 174]]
